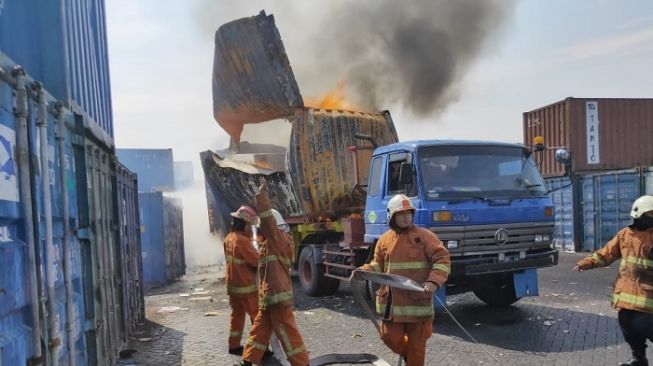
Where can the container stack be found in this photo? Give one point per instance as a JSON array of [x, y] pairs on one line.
[[161, 215], [70, 258], [610, 166]]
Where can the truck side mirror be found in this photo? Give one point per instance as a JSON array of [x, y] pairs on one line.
[[406, 173]]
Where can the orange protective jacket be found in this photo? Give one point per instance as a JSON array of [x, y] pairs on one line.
[[415, 253], [275, 259], [634, 286], [242, 260]]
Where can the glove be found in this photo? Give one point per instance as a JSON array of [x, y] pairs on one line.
[[430, 287]]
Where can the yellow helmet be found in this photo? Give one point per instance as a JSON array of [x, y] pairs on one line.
[[399, 203], [641, 206]]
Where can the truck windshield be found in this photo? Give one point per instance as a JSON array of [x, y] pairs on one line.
[[466, 171]]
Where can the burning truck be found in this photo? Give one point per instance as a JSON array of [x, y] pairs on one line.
[[332, 172]]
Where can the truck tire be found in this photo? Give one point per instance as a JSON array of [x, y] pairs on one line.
[[497, 290], [311, 275]]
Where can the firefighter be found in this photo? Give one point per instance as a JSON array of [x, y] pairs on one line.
[[418, 254], [275, 289], [633, 289], [242, 260]]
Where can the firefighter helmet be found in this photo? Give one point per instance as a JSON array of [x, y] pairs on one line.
[[246, 214], [399, 203], [641, 206]]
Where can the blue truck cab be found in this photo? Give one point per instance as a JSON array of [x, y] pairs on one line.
[[487, 203]]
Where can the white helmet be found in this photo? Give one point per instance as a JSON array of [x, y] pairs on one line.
[[641, 206], [281, 223], [399, 203]]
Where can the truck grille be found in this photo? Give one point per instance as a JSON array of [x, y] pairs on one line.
[[482, 239]]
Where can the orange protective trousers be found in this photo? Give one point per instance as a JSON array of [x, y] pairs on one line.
[[281, 321], [408, 339], [240, 307]]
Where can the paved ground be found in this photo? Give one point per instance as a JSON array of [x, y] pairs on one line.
[[570, 323]]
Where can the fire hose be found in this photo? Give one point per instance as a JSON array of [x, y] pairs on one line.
[[391, 280]]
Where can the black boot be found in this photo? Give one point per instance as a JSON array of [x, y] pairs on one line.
[[639, 359], [268, 353], [238, 351], [243, 363]]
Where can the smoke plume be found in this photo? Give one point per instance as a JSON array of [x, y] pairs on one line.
[[411, 52], [389, 53]]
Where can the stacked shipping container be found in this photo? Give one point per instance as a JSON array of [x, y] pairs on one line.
[[161, 215], [610, 158], [71, 283]]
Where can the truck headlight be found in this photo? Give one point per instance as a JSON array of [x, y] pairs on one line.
[[546, 238], [452, 244], [538, 238]]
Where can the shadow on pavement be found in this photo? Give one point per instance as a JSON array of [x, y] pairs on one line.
[[155, 345]]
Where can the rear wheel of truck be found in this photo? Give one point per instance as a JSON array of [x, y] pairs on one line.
[[496, 290], [311, 275]]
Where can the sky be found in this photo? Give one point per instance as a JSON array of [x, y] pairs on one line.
[[537, 53], [161, 55]]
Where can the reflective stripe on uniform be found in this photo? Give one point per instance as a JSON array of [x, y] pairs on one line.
[[242, 289], [259, 346], [599, 260], [234, 260], [275, 299], [407, 265], [290, 351], [265, 214], [640, 301], [442, 267], [418, 311], [235, 333], [274, 258], [638, 261]]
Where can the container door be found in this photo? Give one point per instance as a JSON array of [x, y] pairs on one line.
[[563, 201], [98, 239], [607, 199]]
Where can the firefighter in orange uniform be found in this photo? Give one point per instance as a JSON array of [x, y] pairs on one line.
[[242, 260], [633, 290], [418, 254], [275, 290]]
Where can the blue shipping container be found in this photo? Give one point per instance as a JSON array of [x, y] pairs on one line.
[[58, 212], [154, 167], [563, 201], [606, 200], [162, 238], [63, 44], [184, 177]]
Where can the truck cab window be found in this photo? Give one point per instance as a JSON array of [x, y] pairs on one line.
[[394, 186], [375, 175]]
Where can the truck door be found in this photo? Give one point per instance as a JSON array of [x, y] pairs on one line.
[[383, 184]]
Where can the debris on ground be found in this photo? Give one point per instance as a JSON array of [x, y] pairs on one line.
[[170, 309]]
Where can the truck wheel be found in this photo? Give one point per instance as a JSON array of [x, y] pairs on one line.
[[497, 290], [311, 276]]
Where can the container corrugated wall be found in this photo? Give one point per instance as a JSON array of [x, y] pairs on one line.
[[599, 132], [162, 238], [154, 167], [68, 195], [63, 44]]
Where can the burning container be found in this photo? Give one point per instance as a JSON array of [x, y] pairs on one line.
[[609, 168], [154, 167], [317, 171], [61, 258], [162, 238]]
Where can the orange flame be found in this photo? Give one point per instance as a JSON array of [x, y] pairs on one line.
[[334, 99]]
